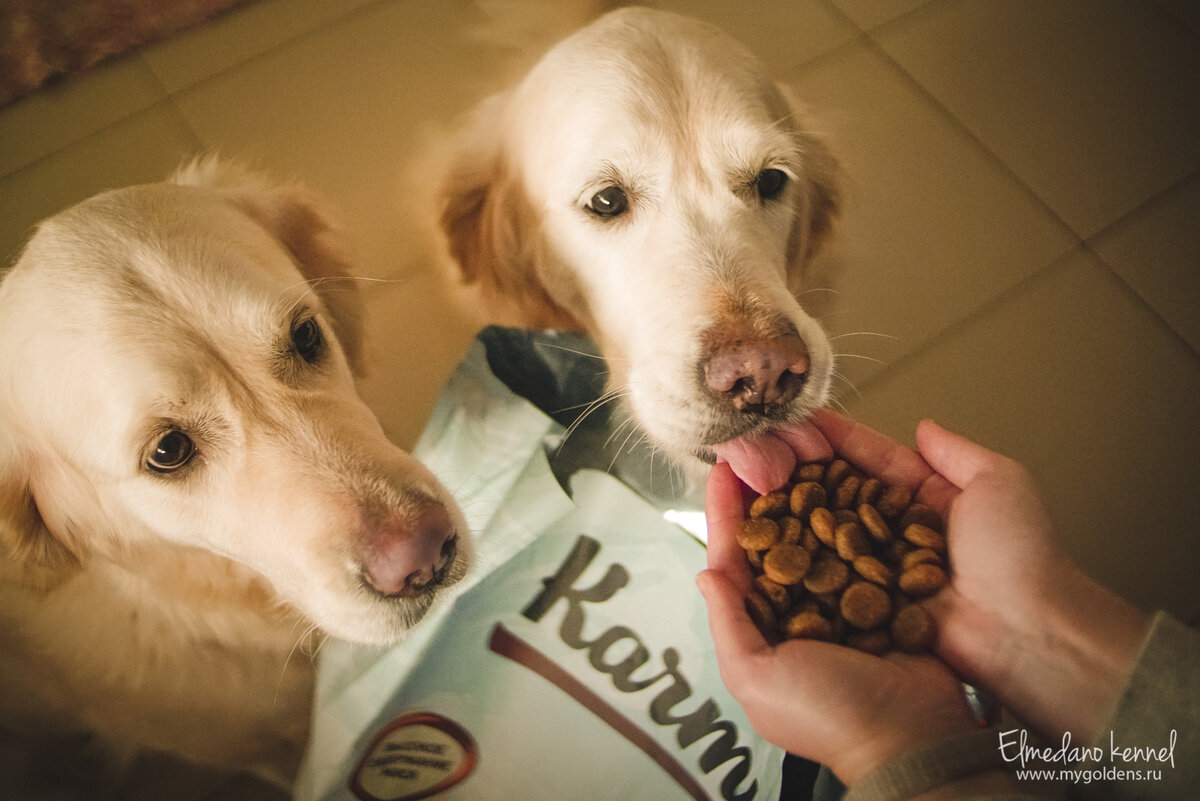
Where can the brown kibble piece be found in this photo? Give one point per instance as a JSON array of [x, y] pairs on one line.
[[838, 469], [760, 611], [870, 491], [851, 541], [841, 556], [919, 557], [773, 504], [786, 564], [893, 500], [823, 525], [874, 571], [757, 533], [775, 593], [845, 516], [806, 496], [755, 559], [874, 523], [826, 574], [920, 513], [847, 492], [865, 605], [807, 626], [923, 580], [813, 471], [790, 530], [913, 629], [925, 537], [810, 542]]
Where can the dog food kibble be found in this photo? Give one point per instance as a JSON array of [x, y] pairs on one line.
[[758, 534], [844, 557], [786, 564], [912, 629]]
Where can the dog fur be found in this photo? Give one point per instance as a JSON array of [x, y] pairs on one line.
[[700, 273], [206, 325]]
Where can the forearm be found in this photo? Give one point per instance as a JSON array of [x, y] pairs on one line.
[[1068, 667]]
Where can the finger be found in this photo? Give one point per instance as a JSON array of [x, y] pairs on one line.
[[807, 441], [734, 633], [954, 456], [724, 510], [876, 453]]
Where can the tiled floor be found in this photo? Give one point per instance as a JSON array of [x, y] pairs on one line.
[[1019, 257]]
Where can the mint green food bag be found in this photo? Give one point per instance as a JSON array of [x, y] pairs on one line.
[[574, 663]]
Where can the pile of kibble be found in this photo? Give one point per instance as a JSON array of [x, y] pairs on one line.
[[843, 557]]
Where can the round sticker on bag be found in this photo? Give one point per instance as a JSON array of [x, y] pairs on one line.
[[415, 756]]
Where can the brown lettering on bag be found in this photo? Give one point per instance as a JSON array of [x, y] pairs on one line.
[[693, 726]]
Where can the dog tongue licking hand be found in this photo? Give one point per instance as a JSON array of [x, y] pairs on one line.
[[765, 461]]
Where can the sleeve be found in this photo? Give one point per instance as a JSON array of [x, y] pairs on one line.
[[1152, 738], [934, 764]]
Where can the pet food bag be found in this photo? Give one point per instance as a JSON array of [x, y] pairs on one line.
[[575, 662]]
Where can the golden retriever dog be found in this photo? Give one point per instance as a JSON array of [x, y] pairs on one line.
[[649, 183], [189, 481]]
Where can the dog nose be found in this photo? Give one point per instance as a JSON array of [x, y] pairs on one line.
[[758, 373], [407, 556]]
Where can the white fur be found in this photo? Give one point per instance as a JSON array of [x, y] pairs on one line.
[[682, 118], [163, 609]]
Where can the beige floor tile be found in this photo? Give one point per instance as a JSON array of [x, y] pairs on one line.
[[350, 110], [238, 35], [73, 108], [933, 228], [418, 329], [142, 148], [1186, 11], [797, 32], [1157, 252], [868, 14], [1074, 376], [1093, 105]]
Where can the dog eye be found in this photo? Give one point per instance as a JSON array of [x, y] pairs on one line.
[[770, 182], [307, 339], [172, 452], [608, 202]]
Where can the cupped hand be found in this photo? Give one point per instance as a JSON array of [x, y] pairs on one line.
[[843, 708], [1018, 619]]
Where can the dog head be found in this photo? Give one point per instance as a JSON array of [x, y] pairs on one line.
[[178, 366], [648, 182]]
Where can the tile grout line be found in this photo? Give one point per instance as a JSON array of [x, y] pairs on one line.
[[1090, 246], [170, 96]]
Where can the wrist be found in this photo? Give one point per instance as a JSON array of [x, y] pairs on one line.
[[950, 767], [885, 744], [1075, 660]]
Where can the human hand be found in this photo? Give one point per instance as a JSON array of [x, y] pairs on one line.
[[844, 708], [1018, 619]]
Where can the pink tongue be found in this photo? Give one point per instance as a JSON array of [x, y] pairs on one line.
[[765, 462]]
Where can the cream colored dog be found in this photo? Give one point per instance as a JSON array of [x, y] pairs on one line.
[[649, 183], [188, 479]]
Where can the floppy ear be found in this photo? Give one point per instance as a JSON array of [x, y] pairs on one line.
[[44, 559], [302, 224], [490, 228], [819, 201]]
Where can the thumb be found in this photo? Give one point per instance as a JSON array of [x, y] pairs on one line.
[[734, 633], [957, 458]]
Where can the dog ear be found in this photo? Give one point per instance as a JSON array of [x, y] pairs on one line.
[[819, 201], [490, 227], [44, 559], [304, 226]]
